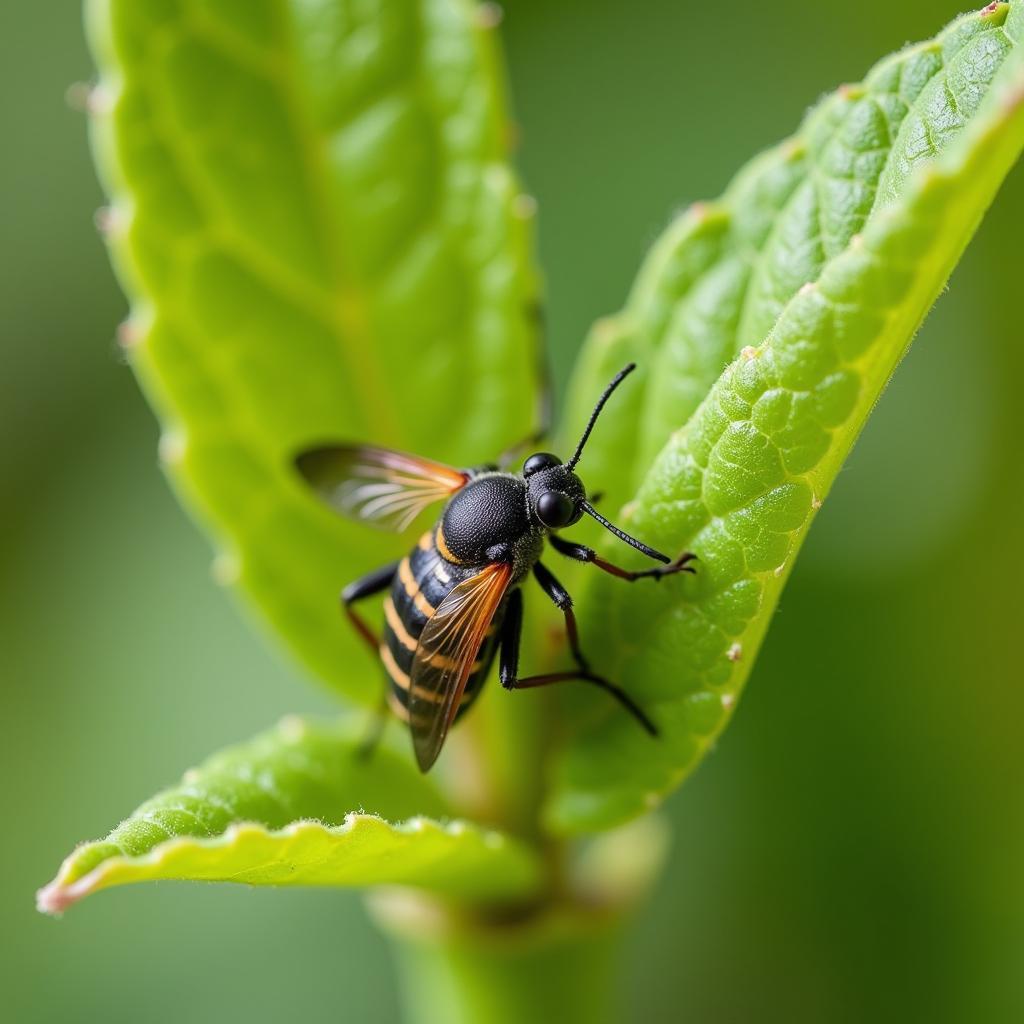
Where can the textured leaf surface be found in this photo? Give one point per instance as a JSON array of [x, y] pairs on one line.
[[816, 270], [718, 278], [314, 217], [297, 806]]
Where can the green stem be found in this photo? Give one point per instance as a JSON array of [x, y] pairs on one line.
[[561, 966]]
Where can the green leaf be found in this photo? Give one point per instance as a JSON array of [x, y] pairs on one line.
[[299, 806], [720, 275], [893, 179], [313, 213]]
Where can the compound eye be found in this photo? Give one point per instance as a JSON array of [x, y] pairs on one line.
[[542, 460], [555, 509]]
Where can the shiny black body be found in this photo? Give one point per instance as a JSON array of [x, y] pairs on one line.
[[454, 602], [487, 521]]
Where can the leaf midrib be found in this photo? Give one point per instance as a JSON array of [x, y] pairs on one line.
[[350, 311]]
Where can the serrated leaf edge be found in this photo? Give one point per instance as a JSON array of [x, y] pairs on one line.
[[64, 891], [1004, 104]]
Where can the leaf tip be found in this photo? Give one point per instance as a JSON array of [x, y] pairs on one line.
[[52, 900], [55, 897]]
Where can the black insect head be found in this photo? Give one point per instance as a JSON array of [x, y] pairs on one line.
[[557, 495]]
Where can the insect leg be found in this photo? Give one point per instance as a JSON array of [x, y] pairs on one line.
[[511, 634], [508, 667], [581, 553], [563, 601], [368, 585]]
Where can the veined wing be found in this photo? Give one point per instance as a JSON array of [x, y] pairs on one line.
[[446, 654], [377, 486]]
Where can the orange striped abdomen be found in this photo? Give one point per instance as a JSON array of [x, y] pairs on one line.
[[423, 580]]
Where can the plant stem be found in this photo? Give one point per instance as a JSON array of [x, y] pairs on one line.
[[561, 966]]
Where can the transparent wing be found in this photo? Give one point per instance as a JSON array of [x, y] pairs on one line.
[[377, 486], [445, 657]]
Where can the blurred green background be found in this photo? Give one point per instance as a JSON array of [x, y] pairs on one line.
[[854, 850]]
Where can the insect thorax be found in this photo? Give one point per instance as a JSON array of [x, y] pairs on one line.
[[488, 521]]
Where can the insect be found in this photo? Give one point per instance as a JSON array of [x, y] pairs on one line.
[[454, 601]]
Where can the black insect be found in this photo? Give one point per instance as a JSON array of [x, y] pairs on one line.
[[454, 601]]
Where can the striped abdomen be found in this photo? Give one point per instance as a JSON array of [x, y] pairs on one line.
[[423, 580]]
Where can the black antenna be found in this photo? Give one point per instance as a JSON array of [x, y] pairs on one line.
[[631, 541], [616, 381]]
